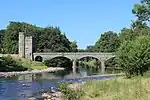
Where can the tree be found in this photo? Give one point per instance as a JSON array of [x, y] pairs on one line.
[[74, 46], [81, 50], [90, 48], [108, 42], [12, 33], [8, 64], [125, 34], [134, 32], [142, 11], [133, 56], [51, 40], [47, 39], [138, 25], [59, 62], [2, 32]]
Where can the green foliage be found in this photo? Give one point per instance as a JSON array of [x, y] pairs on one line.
[[12, 33], [108, 42], [74, 46], [47, 39], [133, 56], [53, 41], [111, 62], [7, 64], [142, 11], [91, 63], [70, 94], [138, 24], [112, 67], [1, 40], [30, 65], [125, 34], [136, 31], [59, 62], [81, 50], [90, 48]]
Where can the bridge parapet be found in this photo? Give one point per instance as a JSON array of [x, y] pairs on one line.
[[77, 55]]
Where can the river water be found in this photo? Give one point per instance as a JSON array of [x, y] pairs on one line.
[[32, 85]]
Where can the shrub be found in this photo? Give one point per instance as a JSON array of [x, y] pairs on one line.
[[8, 64], [134, 56], [70, 94]]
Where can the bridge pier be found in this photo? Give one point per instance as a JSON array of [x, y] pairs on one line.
[[78, 55], [102, 66], [74, 66]]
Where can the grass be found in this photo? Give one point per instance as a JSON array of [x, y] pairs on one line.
[[137, 88], [31, 65]]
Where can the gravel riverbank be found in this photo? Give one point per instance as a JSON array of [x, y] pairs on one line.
[[56, 95], [50, 69]]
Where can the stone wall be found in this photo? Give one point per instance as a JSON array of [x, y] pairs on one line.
[[26, 46], [21, 45]]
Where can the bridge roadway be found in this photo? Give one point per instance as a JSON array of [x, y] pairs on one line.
[[74, 56]]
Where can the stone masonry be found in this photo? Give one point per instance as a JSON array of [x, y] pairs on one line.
[[26, 46], [27, 50]]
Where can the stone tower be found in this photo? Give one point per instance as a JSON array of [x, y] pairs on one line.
[[26, 46], [21, 45]]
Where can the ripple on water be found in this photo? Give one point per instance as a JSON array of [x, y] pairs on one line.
[[21, 90]]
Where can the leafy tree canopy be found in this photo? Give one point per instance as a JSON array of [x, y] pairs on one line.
[[74, 46], [133, 56], [2, 32], [47, 39], [142, 11], [90, 48], [108, 42]]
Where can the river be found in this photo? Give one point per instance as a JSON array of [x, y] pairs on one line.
[[22, 87]]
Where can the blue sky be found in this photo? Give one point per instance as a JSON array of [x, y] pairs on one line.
[[81, 20]]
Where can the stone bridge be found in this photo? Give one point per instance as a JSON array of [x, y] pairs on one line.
[[102, 57], [27, 48]]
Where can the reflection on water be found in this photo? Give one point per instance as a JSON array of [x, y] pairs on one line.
[[23, 86]]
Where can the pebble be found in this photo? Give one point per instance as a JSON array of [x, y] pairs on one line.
[[52, 96], [32, 98]]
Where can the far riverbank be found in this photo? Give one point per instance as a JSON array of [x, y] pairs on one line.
[[50, 69]]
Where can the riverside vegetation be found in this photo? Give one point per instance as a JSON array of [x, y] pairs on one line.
[[136, 88], [134, 58], [132, 55], [131, 45], [8, 64]]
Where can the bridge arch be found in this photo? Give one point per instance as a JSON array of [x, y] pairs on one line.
[[88, 56], [38, 58], [60, 57], [111, 57], [111, 62], [90, 59], [102, 57], [59, 61]]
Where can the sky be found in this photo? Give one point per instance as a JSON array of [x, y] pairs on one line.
[[82, 20]]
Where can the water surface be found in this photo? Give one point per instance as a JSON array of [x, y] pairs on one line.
[[22, 87]]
